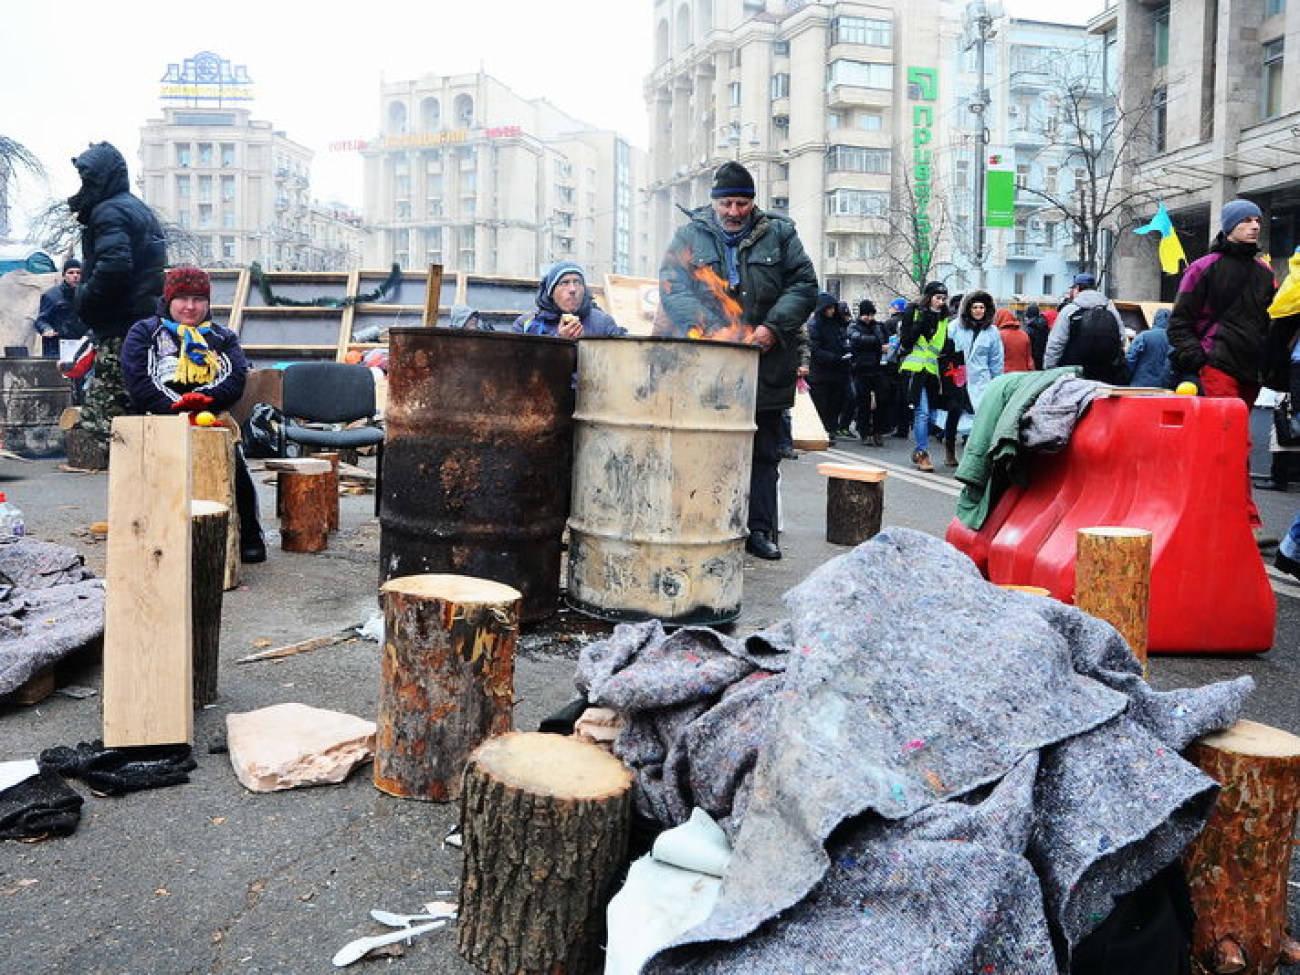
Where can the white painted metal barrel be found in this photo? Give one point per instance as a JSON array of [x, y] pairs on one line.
[[663, 434]]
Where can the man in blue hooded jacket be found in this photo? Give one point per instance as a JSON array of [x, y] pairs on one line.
[[565, 308]]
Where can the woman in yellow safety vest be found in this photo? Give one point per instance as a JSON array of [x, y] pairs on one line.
[[923, 333]]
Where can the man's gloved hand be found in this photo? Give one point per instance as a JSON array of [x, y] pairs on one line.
[[1188, 360], [193, 401]]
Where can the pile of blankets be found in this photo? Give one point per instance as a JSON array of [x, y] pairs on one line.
[[919, 772], [50, 605]]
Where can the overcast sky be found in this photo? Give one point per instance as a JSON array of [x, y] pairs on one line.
[[77, 71]]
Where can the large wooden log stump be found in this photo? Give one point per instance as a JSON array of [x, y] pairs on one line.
[[86, 451], [212, 465], [304, 506], [855, 502], [447, 679], [1238, 867], [1112, 580], [332, 488], [545, 821], [208, 534]]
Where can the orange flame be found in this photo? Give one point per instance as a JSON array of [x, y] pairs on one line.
[[721, 318]]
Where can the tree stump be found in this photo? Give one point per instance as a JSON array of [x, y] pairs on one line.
[[1112, 581], [332, 458], [1238, 867], [208, 535], [85, 450], [212, 466], [855, 502], [304, 504], [545, 823], [447, 679]]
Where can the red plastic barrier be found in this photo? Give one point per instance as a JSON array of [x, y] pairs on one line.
[[1174, 465]]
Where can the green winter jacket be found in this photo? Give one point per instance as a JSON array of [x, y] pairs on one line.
[[778, 288]]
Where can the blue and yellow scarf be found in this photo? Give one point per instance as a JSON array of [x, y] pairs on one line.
[[197, 364]]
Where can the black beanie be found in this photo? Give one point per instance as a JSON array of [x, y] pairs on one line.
[[934, 288], [732, 179], [866, 307], [70, 264]]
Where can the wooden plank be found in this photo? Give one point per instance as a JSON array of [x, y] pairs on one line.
[[212, 461], [432, 294], [344, 338], [147, 629]]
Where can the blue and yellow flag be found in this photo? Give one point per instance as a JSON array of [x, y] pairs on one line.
[[1171, 248]]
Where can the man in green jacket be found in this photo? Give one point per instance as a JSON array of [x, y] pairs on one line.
[[759, 263]]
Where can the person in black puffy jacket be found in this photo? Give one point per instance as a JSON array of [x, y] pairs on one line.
[[124, 253]]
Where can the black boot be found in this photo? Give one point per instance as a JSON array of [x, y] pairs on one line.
[[761, 544], [1277, 474], [252, 545]]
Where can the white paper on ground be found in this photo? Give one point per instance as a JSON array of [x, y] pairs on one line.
[[668, 892], [11, 773], [698, 844]]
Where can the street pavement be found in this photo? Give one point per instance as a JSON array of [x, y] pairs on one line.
[[207, 877]]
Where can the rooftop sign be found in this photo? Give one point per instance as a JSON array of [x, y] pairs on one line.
[[206, 79]]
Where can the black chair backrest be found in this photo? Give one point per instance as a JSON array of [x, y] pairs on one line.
[[328, 392]]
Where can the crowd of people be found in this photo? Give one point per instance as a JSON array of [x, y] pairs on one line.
[[922, 370]]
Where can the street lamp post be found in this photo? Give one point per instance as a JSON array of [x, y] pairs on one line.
[[979, 27]]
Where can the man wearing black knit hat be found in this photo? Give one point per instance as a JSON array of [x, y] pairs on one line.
[[761, 264]]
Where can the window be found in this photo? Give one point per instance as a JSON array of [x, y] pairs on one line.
[[857, 203], [1160, 34], [863, 30], [1272, 7], [834, 120], [182, 188], [1049, 282], [733, 94], [227, 154], [1160, 117], [1018, 283], [1049, 240], [205, 154], [205, 215], [228, 219], [781, 49], [1271, 84], [1030, 59], [205, 189], [860, 74], [961, 176], [1051, 180], [227, 248], [183, 157], [856, 159], [870, 121], [780, 86], [185, 219], [227, 189]]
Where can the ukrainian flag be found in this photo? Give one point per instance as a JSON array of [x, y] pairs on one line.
[[1171, 248]]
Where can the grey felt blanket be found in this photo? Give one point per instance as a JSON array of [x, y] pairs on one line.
[[50, 605], [920, 772]]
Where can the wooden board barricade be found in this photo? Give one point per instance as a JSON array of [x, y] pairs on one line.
[[148, 686], [447, 679], [545, 824]]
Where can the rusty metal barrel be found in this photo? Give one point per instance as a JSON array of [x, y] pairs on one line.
[[663, 436], [478, 453], [33, 395]]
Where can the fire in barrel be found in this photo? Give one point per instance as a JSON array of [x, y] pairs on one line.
[[663, 433]]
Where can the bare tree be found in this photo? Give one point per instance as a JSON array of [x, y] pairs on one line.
[[14, 156], [918, 226], [1088, 129], [55, 228]]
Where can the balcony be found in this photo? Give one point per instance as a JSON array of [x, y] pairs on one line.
[[852, 96], [1025, 250]]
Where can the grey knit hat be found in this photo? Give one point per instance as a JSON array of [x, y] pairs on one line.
[[1235, 211]]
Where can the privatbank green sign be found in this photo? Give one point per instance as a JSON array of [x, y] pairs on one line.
[[922, 87]]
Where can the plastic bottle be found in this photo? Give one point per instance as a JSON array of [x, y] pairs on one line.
[[11, 520]]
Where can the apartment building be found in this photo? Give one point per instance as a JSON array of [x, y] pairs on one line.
[[832, 106], [235, 189], [468, 174], [1223, 81], [1037, 80]]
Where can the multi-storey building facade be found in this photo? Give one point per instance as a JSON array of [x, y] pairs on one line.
[[467, 174], [239, 191], [1223, 78], [832, 106], [1030, 70]]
